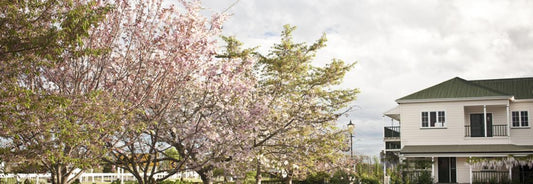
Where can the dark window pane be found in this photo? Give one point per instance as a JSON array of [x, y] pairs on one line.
[[524, 118], [424, 119], [441, 118], [516, 119], [432, 118]]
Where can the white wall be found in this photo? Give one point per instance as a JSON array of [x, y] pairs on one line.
[[454, 132], [522, 136], [463, 170]]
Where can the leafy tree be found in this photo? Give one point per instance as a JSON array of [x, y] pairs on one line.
[[303, 104], [161, 63], [46, 120]]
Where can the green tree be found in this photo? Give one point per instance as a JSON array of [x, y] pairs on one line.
[[303, 102], [42, 122]]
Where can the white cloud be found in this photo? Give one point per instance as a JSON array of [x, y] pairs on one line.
[[401, 46]]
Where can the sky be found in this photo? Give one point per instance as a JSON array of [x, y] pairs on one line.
[[400, 46]]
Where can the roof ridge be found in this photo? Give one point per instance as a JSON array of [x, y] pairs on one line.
[[487, 87], [456, 87], [501, 79]]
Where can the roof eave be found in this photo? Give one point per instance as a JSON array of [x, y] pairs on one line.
[[403, 101]]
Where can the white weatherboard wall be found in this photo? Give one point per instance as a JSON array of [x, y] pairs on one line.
[[522, 136], [454, 131], [463, 170], [499, 113]]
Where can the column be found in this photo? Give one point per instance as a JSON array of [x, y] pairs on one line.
[[485, 119], [433, 167], [508, 121], [470, 166]]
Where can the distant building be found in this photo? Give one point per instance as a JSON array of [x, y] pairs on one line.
[[459, 120]]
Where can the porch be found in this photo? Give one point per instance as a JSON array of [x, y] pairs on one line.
[[456, 170], [487, 120], [450, 163]]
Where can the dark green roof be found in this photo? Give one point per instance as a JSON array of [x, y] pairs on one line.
[[520, 88]]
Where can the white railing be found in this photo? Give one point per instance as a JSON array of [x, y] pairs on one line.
[[94, 177]]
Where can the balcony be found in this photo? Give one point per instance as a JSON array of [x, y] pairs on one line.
[[493, 131], [392, 132], [393, 145]]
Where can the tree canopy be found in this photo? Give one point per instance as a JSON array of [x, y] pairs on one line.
[[141, 84]]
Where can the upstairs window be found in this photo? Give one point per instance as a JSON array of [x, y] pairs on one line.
[[433, 119], [520, 119]]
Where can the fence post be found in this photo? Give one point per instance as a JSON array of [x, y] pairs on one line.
[[470, 166], [510, 174]]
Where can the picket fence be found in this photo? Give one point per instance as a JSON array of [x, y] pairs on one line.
[[92, 177]]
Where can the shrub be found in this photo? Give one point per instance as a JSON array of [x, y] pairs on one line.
[[369, 179], [340, 177], [320, 177], [423, 178]]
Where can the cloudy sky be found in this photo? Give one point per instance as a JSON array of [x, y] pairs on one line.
[[400, 46]]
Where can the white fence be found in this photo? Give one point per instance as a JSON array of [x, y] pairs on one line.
[[93, 177]]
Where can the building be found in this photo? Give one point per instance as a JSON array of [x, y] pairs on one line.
[[467, 130]]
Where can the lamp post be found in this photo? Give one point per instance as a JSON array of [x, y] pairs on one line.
[[351, 127]]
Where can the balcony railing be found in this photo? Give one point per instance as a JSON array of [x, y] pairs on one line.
[[393, 145], [392, 131], [490, 176], [495, 130]]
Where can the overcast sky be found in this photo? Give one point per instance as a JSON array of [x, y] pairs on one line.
[[400, 46]]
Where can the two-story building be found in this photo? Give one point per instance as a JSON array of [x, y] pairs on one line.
[[457, 123]]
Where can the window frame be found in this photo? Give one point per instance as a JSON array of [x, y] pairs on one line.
[[439, 118], [520, 119]]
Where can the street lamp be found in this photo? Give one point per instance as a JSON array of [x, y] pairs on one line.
[[351, 127]]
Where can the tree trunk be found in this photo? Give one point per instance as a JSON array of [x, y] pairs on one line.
[[206, 178], [258, 177], [288, 179]]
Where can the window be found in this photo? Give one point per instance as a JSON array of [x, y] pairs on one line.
[[424, 119], [523, 118], [433, 119], [520, 119]]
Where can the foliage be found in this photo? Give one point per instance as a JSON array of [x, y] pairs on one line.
[[298, 134], [395, 177], [42, 120], [30, 167], [340, 177], [183, 97], [143, 85], [423, 178], [508, 162], [369, 179], [319, 177]]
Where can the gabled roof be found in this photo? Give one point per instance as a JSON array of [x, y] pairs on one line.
[[520, 88]]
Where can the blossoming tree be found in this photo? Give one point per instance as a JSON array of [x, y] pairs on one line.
[[50, 118]]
